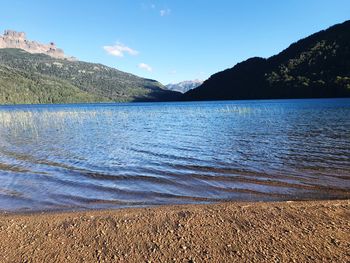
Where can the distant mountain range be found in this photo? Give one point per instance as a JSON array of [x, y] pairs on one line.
[[31, 72], [315, 67], [184, 86]]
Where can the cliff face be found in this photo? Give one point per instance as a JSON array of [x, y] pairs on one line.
[[14, 39]]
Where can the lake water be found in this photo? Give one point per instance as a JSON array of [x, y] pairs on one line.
[[67, 157]]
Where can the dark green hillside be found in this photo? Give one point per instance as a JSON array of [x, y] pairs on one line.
[[38, 78], [315, 67], [18, 87]]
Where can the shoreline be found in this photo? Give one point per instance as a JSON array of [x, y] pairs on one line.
[[287, 231], [56, 212]]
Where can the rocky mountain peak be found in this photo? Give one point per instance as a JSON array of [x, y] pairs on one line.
[[15, 35], [184, 86], [14, 39]]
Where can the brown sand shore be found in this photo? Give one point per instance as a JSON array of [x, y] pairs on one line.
[[308, 231]]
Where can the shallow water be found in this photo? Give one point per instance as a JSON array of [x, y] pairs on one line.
[[66, 157]]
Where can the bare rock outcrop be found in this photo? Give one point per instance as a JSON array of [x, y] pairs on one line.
[[14, 39]]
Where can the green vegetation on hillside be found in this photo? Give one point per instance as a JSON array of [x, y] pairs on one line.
[[37, 78], [18, 87], [315, 67]]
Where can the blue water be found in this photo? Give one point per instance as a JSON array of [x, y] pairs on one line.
[[87, 156]]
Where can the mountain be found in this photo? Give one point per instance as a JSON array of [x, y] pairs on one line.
[[48, 77], [184, 86], [13, 39], [20, 87], [315, 67]]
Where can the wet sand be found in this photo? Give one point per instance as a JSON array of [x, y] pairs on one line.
[[308, 231]]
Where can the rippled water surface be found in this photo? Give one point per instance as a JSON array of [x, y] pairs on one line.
[[117, 155]]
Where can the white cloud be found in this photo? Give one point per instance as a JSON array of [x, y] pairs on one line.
[[165, 12], [145, 67], [120, 49]]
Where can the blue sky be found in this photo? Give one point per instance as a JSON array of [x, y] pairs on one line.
[[171, 41]]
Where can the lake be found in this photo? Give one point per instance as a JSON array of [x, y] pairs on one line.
[[92, 156]]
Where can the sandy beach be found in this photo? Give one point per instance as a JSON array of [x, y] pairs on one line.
[[306, 231]]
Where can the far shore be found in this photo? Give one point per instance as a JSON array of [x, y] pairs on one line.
[[292, 231]]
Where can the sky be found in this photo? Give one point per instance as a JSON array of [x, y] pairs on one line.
[[171, 41]]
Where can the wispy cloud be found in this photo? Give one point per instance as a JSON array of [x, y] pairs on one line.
[[145, 67], [120, 49], [165, 12]]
